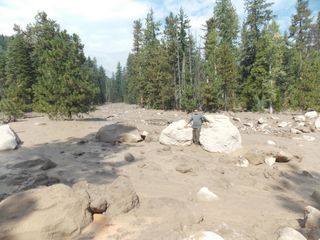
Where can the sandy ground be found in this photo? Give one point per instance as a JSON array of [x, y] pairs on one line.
[[254, 202]]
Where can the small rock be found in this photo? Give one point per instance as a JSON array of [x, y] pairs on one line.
[[295, 131], [48, 164], [311, 217], [129, 157], [308, 138], [283, 156], [184, 168], [248, 125], [271, 142], [236, 119], [81, 142], [317, 123], [283, 124], [243, 163], [311, 114], [288, 233], [144, 134], [299, 118], [204, 235], [39, 124], [261, 121], [270, 160], [274, 118], [205, 195]]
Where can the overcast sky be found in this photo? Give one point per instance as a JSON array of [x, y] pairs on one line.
[[105, 26]]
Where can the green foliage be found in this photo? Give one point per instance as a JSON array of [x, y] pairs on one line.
[[17, 78], [63, 88]]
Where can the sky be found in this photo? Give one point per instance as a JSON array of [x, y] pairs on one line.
[[105, 26]]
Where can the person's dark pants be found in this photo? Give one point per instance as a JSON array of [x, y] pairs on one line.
[[196, 135]]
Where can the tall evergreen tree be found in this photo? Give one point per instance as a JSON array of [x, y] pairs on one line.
[[300, 30], [258, 18], [19, 76]]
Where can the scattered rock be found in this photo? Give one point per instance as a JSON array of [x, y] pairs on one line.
[[236, 119], [39, 124], [304, 129], [221, 135], [311, 114], [176, 134], [9, 140], [129, 157], [317, 123], [81, 142], [118, 133], [283, 124], [184, 168], [205, 195], [288, 233], [48, 164], [261, 121], [283, 156], [54, 212], [299, 118], [248, 125], [270, 160], [311, 217], [295, 131], [204, 235], [243, 163], [271, 142], [144, 135]]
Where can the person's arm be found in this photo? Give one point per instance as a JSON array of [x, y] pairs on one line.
[[188, 122]]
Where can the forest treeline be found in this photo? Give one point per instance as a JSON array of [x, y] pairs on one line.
[[43, 68], [249, 67]]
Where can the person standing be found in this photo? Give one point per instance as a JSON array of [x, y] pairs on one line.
[[197, 120]]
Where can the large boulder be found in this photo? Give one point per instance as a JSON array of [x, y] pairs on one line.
[[176, 134], [116, 198], [311, 114], [114, 133], [311, 217], [55, 212], [221, 135], [9, 140], [204, 235], [288, 233]]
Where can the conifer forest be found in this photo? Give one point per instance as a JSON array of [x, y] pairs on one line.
[[235, 66]]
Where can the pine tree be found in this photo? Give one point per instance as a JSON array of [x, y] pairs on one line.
[[258, 18], [19, 75], [300, 30], [63, 88], [171, 45]]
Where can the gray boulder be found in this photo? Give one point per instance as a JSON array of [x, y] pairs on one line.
[[288, 233], [118, 133], [311, 217], [55, 212], [116, 198]]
